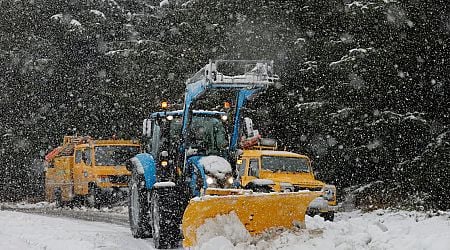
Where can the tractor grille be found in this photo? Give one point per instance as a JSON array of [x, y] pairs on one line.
[[119, 178]]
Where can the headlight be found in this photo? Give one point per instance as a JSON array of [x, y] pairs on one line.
[[329, 192], [230, 180], [210, 180]]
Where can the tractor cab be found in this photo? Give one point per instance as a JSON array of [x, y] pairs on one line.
[[207, 136]]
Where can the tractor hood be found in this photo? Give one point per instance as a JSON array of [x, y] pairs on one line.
[[305, 180], [212, 165]]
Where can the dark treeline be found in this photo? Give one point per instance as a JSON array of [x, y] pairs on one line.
[[364, 85]]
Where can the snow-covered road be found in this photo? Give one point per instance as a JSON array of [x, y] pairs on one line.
[[29, 231], [352, 230]]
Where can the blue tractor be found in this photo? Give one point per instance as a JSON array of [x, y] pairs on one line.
[[191, 150]]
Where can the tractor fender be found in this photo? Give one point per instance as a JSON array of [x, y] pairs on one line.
[[145, 164], [195, 162]]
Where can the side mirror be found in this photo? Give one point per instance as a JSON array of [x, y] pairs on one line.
[[249, 131], [147, 128]]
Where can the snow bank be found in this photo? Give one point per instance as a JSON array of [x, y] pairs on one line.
[[222, 232], [216, 165], [380, 229]]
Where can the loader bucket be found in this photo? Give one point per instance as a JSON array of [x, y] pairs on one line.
[[257, 212]]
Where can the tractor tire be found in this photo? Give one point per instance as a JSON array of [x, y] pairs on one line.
[[58, 198], [138, 207], [93, 198], [165, 222]]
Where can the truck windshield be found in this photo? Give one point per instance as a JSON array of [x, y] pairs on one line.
[[207, 134], [114, 155], [285, 164]]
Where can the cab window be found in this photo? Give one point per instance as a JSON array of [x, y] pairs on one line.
[[253, 168], [78, 156], [241, 167], [87, 156], [155, 140]]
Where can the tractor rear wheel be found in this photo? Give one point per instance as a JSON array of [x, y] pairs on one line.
[[138, 207], [165, 224]]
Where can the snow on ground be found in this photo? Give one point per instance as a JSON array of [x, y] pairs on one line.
[[121, 210], [30, 231], [353, 230], [381, 229]]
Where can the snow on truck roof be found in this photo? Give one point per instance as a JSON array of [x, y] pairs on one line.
[[272, 153]]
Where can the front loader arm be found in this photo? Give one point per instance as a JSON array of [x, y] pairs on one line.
[[246, 86]]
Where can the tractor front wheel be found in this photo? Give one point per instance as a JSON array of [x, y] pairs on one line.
[[165, 224]]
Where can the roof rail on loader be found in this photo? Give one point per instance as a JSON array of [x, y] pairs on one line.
[[236, 74]]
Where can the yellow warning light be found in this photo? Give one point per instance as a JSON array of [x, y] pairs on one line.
[[239, 162], [164, 104], [226, 105]]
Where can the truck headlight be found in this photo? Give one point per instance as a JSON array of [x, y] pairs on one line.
[[230, 180], [329, 192]]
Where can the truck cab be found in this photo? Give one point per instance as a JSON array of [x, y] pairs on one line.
[[269, 170], [92, 171]]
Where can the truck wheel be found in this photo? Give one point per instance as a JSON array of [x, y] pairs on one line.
[[58, 198], [258, 188], [328, 216], [93, 199], [165, 224], [138, 208]]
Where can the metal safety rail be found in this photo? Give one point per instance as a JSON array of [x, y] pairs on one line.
[[254, 73]]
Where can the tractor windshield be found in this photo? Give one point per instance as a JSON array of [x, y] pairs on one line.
[[285, 164], [114, 155], [207, 135]]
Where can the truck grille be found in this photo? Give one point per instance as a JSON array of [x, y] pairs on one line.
[[119, 178], [297, 188]]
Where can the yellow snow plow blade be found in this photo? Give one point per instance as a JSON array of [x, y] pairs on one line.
[[257, 212]]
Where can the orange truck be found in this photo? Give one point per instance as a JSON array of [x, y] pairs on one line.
[[88, 171]]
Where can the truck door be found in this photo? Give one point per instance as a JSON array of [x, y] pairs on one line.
[[252, 171], [240, 171], [82, 170]]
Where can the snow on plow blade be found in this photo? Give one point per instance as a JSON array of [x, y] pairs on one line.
[[257, 212]]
